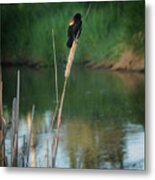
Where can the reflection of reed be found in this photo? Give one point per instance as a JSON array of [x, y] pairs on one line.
[[92, 146]]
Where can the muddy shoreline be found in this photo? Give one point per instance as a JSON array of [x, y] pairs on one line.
[[128, 62]]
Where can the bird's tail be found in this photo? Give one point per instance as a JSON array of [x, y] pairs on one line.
[[70, 42]]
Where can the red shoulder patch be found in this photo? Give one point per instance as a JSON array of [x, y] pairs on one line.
[[71, 22]]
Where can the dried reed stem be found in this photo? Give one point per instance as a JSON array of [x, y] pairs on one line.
[[56, 79], [70, 58], [17, 101], [30, 133], [55, 148], [47, 152], [2, 148], [17, 118], [14, 163], [13, 132], [55, 69], [88, 10], [67, 73], [23, 151], [13, 117], [61, 103]]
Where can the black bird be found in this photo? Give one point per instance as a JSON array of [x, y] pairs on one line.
[[74, 29]]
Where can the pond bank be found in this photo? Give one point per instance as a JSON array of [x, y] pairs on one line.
[[28, 64], [129, 61]]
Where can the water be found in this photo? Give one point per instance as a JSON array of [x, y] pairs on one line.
[[103, 121]]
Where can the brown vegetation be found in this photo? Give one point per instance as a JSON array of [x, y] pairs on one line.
[[129, 61]]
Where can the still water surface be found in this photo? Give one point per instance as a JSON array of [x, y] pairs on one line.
[[103, 120]]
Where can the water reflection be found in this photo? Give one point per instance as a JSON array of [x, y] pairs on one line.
[[93, 146], [103, 118]]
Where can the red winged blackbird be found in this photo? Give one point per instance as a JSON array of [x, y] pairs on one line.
[[74, 29]]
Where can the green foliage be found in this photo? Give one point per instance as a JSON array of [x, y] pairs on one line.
[[108, 29], [135, 26]]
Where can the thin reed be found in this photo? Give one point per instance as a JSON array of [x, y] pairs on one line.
[[30, 135], [2, 145], [56, 79], [15, 119]]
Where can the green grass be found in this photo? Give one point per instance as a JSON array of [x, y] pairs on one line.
[[108, 30]]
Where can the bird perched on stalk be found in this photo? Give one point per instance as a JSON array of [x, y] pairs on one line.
[[74, 29]]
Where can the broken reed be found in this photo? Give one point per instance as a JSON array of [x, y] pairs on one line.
[[23, 151], [3, 129], [47, 152], [30, 134], [2, 145], [15, 119], [14, 140]]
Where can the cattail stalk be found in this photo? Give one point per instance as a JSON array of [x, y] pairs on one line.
[[55, 148], [2, 148], [67, 74]]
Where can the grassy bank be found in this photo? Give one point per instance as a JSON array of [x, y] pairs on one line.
[[109, 29]]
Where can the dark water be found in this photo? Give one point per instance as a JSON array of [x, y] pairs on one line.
[[103, 120]]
